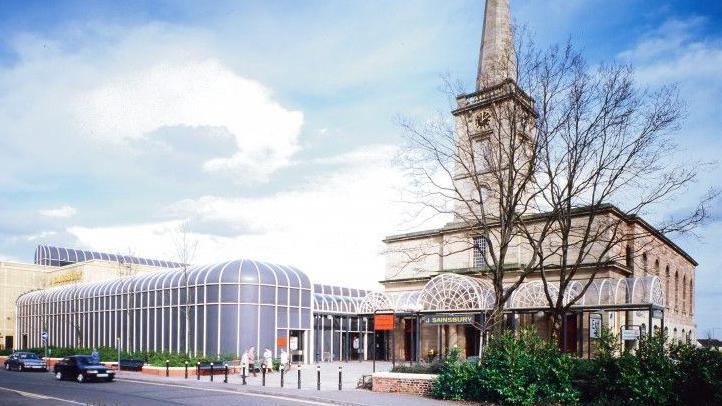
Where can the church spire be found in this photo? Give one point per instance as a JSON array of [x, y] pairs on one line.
[[497, 59]]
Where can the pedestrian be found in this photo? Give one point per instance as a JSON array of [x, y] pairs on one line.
[[284, 360], [268, 359], [95, 357], [252, 360], [244, 361], [356, 344]]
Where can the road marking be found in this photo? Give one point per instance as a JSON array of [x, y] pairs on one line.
[[260, 395], [40, 396]]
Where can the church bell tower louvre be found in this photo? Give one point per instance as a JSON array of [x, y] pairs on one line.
[[494, 125]]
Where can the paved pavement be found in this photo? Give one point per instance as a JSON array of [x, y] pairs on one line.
[[133, 388]]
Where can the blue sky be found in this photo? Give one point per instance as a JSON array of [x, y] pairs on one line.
[[269, 126]]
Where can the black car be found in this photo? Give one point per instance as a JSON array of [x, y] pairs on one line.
[[82, 368], [25, 361]]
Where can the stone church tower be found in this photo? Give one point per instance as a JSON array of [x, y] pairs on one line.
[[494, 127]]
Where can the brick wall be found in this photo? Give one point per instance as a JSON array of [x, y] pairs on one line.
[[390, 382]]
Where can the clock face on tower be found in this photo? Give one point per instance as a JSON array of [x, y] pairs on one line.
[[482, 120]]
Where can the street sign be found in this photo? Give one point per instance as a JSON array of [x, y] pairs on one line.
[[630, 334], [449, 319], [384, 322], [44, 336], [595, 325]]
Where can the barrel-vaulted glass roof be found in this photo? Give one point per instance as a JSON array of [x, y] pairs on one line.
[[337, 299], [59, 256], [242, 271], [453, 292]]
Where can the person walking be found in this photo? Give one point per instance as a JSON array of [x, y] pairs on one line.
[[284, 360], [95, 356], [252, 360], [268, 359]]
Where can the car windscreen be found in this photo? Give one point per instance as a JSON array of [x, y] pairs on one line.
[[86, 361], [28, 356]]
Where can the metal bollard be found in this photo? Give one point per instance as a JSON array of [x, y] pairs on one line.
[[263, 374], [282, 368], [243, 374], [186, 369], [198, 371], [339, 378], [225, 378], [167, 365], [211, 372], [299, 376], [318, 377]]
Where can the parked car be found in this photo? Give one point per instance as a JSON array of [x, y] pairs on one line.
[[25, 361], [82, 368]]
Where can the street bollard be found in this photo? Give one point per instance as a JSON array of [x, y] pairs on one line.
[[198, 371], [211, 372], [167, 364], [263, 374], [225, 378], [318, 377], [243, 374], [339, 378], [186, 369], [299, 376], [282, 368]]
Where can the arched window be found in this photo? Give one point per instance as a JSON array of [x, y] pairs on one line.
[[676, 291], [691, 296], [629, 260], [667, 278], [674, 333], [656, 268], [645, 269], [684, 294]]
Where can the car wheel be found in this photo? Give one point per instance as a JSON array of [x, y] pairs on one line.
[[80, 378], [58, 375], [20, 368], [7, 367]]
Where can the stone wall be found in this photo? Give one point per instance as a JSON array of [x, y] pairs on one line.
[[392, 382]]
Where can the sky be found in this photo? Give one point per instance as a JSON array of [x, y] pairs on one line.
[[269, 128]]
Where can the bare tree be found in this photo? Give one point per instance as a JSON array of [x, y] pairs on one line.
[[604, 159], [562, 172], [185, 250]]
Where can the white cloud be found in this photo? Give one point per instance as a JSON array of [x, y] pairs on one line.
[[59, 212], [196, 93], [331, 227], [366, 154]]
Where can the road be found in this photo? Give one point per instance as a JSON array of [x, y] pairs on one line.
[[37, 388]]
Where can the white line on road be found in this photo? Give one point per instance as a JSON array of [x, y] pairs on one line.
[[40, 396], [260, 395]]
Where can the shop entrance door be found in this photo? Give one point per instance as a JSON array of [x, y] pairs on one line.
[[296, 345], [409, 339], [473, 338], [570, 333], [8, 342], [381, 345]]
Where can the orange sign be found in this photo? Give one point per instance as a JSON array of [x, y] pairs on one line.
[[282, 341], [383, 322]]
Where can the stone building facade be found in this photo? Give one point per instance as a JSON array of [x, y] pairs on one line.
[[648, 270]]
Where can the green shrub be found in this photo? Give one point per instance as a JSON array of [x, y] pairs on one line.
[[526, 370], [699, 374], [456, 379]]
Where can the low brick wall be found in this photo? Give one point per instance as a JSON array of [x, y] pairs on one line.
[[393, 382]]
